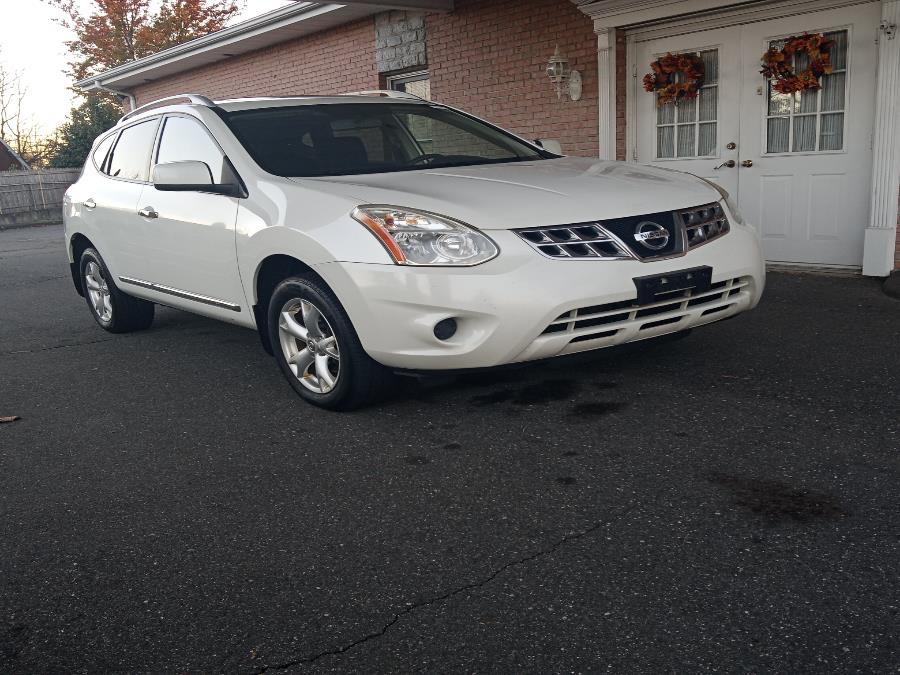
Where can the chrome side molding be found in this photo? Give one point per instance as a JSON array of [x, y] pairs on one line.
[[178, 293]]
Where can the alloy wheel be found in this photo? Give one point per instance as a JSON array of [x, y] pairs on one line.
[[98, 291], [309, 345]]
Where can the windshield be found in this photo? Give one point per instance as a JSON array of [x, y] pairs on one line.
[[354, 138]]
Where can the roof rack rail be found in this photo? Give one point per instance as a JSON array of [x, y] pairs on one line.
[[387, 93], [196, 99]]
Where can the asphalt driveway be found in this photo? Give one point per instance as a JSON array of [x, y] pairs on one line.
[[727, 503]]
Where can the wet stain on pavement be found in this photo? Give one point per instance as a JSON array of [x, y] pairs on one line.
[[546, 392], [566, 480], [596, 408], [452, 446], [499, 396], [416, 460], [779, 502], [569, 453]]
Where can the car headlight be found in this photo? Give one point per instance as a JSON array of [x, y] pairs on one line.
[[421, 238], [729, 202]]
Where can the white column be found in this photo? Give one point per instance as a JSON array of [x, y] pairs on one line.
[[606, 73], [881, 234]]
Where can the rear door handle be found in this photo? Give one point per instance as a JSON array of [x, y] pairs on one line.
[[89, 203], [148, 212]]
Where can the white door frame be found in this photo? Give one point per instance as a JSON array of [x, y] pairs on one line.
[[649, 17]]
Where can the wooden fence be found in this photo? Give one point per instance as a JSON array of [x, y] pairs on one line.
[[38, 192]]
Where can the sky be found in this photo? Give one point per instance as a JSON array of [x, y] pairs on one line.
[[32, 42]]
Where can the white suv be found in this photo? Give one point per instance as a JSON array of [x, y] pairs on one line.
[[374, 232]]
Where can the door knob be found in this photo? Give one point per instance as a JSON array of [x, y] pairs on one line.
[[731, 146], [148, 212], [728, 165], [747, 163], [89, 203]]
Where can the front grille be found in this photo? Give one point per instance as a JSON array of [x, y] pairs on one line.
[[587, 240], [603, 321], [703, 224], [645, 237]]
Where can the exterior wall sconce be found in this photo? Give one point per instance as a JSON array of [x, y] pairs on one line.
[[563, 78]]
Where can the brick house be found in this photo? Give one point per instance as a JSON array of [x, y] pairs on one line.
[[818, 171]]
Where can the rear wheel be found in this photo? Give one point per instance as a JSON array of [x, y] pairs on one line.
[[317, 347], [111, 308]]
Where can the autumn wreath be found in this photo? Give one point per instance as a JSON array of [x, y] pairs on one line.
[[664, 82], [778, 64]]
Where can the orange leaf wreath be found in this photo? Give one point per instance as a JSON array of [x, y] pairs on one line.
[[778, 64], [662, 79]]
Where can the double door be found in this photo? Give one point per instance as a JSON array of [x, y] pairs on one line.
[[798, 165]]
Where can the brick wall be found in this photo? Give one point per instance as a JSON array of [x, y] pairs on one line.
[[339, 60], [489, 57]]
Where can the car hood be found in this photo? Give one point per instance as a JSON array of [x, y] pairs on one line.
[[526, 194]]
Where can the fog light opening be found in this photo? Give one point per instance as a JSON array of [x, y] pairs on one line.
[[445, 329]]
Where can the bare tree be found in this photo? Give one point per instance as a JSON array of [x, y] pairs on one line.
[[17, 128]]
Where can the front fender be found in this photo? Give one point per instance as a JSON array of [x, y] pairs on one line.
[[287, 219]]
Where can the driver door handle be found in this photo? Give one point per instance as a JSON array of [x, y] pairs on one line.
[[148, 212]]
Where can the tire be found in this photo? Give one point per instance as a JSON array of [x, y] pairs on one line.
[[326, 364], [115, 311]]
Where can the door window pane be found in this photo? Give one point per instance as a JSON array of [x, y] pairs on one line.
[[686, 147], [131, 156], [779, 134], [810, 121], [665, 141], [831, 132], [185, 139], [707, 142], [804, 133], [689, 128]]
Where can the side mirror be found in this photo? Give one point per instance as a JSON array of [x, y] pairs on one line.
[[190, 176], [549, 145]]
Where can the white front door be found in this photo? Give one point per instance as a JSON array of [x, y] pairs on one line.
[[803, 161], [695, 135]]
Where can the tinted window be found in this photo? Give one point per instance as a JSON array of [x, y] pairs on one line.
[[186, 139], [131, 156], [102, 149], [354, 138]]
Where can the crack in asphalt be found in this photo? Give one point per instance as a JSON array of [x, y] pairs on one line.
[[52, 347], [412, 607]]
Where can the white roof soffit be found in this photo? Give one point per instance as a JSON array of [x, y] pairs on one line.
[[285, 23]]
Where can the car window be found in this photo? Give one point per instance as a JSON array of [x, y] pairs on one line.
[[102, 150], [355, 138], [131, 155], [185, 139]]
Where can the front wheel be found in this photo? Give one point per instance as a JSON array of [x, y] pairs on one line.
[[317, 347]]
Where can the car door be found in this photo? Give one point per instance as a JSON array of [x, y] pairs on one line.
[[187, 239], [113, 205]]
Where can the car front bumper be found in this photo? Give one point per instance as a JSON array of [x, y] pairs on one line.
[[504, 308]]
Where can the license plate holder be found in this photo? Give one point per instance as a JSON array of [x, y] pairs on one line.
[[650, 288]]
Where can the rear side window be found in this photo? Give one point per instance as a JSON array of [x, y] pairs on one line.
[[184, 139], [101, 152], [131, 155]]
